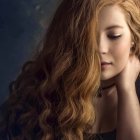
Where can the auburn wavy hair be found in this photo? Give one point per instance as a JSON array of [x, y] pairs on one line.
[[53, 95], [52, 98]]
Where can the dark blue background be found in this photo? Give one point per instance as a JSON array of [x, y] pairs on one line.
[[22, 24]]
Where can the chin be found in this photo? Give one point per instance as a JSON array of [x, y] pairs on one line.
[[106, 77], [103, 79]]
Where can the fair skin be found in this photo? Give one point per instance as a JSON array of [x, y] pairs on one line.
[[118, 108]]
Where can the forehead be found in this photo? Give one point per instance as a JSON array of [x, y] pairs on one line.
[[111, 15]]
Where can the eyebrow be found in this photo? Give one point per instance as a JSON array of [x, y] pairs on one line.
[[113, 26]]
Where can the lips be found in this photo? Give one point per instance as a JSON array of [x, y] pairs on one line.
[[105, 63]]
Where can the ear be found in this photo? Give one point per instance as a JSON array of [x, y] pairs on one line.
[[132, 46], [132, 43]]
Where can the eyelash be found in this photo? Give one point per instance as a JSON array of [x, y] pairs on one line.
[[113, 37]]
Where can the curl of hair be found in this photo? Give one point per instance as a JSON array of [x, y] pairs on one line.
[[53, 95]]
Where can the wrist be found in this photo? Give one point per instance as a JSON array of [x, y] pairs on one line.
[[126, 86], [126, 89]]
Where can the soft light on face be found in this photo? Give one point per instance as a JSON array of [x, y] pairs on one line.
[[114, 41]]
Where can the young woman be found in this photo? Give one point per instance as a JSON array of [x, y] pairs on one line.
[[81, 84], [119, 48]]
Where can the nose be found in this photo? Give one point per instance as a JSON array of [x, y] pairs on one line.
[[103, 45]]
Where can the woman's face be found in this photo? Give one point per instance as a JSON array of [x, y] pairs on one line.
[[114, 41]]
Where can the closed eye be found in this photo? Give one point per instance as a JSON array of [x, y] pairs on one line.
[[114, 37]]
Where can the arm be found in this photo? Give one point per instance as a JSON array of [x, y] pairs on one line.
[[128, 126], [128, 115]]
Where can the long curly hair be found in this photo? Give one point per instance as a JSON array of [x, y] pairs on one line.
[[52, 98]]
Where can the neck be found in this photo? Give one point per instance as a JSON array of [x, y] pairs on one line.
[[108, 86], [107, 83]]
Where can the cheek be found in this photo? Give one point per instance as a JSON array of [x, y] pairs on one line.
[[121, 55]]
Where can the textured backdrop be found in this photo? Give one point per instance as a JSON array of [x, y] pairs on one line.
[[22, 23]]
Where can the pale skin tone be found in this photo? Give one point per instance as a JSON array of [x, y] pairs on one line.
[[119, 107]]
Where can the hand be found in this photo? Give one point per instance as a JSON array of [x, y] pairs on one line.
[[127, 78]]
